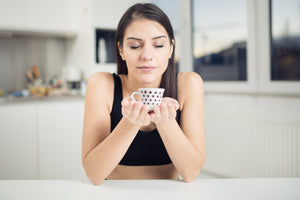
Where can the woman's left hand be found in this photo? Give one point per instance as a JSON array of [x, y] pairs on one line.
[[166, 111]]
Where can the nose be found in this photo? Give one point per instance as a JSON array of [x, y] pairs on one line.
[[146, 54]]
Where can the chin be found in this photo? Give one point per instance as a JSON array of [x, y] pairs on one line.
[[148, 78]]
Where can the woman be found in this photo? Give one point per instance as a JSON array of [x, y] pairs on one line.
[[121, 138]]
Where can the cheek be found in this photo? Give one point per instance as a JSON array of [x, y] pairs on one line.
[[131, 59], [164, 59]]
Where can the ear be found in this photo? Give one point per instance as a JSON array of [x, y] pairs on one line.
[[171, 48], [121, 51]]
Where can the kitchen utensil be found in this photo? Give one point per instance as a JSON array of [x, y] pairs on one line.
[[36, 72], [29, 76]]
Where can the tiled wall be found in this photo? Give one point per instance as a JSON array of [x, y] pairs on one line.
[[19, 53]]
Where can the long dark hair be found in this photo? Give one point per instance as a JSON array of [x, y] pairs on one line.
[[151, 12]]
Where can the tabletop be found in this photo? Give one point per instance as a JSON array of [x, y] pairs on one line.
[[273, 188]]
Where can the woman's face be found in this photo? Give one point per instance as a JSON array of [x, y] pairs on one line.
[[146, 50]]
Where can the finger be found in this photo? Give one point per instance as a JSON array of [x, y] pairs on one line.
[[171, 100], [144, 110], [147, 120], [172, 111], [124, 102], [176, 104], [155, 116], [127, 108], [136, 110], [164, 111]]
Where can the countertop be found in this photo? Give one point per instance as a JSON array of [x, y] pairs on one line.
[[28, 100], [206, 189]]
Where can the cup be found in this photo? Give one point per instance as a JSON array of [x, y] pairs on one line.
[[149, 96]]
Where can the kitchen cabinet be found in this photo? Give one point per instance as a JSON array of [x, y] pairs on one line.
[[18, 142], [41, 140], [60, 134], [51, 15], [106, 15], [11, 13], [47, 17]]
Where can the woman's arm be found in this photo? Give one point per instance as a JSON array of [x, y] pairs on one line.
[[102, 150], [185, 143]]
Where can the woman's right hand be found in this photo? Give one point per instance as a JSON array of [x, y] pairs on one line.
[[136, 113]]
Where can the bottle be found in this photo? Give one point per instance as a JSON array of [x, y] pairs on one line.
[[83, 88], [102, 51]]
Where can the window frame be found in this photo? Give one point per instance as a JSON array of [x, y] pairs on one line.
[[264, 48], [258, 53]]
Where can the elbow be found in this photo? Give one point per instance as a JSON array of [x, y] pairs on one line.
[[97, 181], [189, 180], [95, 178], [191, 174], [190, 177]]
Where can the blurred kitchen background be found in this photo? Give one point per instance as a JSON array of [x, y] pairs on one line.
[[247, 52]]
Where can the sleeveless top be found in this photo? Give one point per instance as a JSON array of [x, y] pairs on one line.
[[147, 148]]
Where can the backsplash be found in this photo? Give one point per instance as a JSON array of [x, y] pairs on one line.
[[19, 53]]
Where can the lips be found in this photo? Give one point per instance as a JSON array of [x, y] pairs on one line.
[[147, 68]]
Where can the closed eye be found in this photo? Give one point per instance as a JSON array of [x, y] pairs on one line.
[[159, 46], [134, 47]]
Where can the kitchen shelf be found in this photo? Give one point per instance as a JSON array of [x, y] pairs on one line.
[[10, 31]]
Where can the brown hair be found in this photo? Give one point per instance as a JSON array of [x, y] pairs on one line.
[[151, 12]]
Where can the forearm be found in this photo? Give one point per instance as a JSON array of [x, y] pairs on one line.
[[187, 159], [102, 160]]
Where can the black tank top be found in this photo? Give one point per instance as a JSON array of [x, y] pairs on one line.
[[147, 148]]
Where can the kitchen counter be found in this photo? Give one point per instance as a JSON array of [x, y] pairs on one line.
[[26, 100], [231, 189]]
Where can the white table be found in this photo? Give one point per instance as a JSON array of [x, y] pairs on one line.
[[206, 189]]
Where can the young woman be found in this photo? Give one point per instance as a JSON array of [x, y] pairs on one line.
[[121, 138]]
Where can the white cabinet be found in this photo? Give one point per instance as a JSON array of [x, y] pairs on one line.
[[11, 13], [106, 14], [18, 142], [41, 140], [53, 17], [60, 135]]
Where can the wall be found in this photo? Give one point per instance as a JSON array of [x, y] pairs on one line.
[[19, 53], [251, 135]]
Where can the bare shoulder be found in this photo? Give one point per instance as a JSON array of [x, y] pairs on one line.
[[190, 78], [100, 77], [101, 81], [100, 88], [189, 84]]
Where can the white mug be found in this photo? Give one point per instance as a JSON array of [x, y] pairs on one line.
[[149, 96]]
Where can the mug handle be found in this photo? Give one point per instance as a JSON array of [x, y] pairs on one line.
[[132, 96]]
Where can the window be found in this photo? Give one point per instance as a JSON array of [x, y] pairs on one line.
[[219, 39], [285, 40]]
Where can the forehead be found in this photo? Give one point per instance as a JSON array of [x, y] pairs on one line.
[[145, 29]]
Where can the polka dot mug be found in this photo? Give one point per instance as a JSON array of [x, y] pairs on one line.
[[149, 96]]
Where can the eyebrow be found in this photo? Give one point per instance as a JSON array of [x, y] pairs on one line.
[[134, 38]]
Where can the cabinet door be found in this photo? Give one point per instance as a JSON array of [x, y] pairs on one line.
[[60, 132], [106, 14], [18, 142], [11, 13], [51, 15]]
